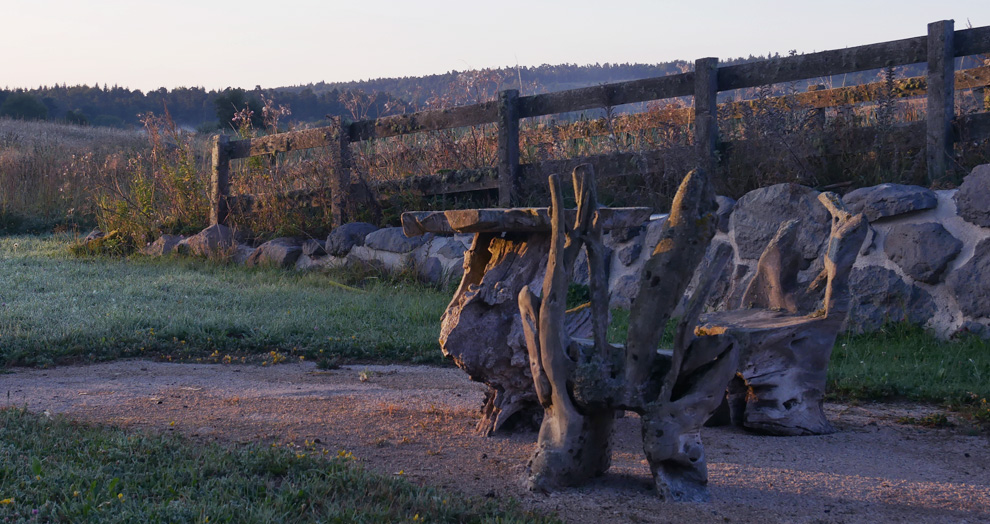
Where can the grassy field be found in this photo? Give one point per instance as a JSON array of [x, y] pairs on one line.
[[54, 470], [57, 309]]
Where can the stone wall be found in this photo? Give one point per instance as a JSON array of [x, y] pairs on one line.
[[926, 258], [430, 258]]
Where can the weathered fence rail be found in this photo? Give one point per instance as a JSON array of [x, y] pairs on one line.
[[938, 49]]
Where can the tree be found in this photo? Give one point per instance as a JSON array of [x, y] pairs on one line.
[[23, 106], [232, 100]]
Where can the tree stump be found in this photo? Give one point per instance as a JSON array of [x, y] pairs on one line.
[[481, 330]]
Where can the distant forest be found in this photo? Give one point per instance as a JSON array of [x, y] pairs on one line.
[[196, 108]]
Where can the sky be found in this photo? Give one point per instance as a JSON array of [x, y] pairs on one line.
[[145, 44]]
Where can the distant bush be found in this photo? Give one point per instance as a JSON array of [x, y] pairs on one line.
[[76, 117]]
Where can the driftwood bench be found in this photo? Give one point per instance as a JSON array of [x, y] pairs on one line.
[[784, 351], [481, 329]]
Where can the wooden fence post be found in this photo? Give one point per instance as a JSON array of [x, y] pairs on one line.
[[941, 98], [340, 176], [706, 113], [508, 148], [220, 181]]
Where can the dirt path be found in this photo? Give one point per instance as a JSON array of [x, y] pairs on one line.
[[419, 420]]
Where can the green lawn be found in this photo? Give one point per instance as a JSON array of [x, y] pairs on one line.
[[54, 470], [904, 361], [56, 309]]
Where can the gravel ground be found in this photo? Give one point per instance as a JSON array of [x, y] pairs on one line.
[[418, 421]]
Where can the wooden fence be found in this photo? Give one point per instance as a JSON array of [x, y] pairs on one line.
[[938, 49]]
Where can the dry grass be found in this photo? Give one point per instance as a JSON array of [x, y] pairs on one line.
[[48, 170]]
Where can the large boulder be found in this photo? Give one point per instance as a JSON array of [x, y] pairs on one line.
[[973, 196], [759, 213], [343, 238], [888, 200], [970, 283], [923, 251], [214, 241], [393, 240], [280, 252], [881, 296]]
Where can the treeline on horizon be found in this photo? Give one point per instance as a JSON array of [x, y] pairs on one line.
[[209, 111]]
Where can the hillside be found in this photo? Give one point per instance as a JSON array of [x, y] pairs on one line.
[[208, 111]]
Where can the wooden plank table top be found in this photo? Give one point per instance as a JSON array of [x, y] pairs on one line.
[[511, 220]]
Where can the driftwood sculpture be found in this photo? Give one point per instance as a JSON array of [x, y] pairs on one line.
[[784, 353], [481, 330], [582, 383]]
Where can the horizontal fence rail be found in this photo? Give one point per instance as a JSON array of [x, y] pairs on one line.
[[938, 49]]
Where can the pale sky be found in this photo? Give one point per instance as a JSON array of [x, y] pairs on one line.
[[147, 44]]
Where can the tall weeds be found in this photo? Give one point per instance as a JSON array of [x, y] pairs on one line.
[[162, 189]]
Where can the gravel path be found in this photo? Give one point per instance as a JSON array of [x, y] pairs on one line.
[[417, 421]]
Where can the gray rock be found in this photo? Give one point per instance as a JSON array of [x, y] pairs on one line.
[[343, 238], [214, 241], [971, 283], [93, 235], [759, 213], [164, 245], [393, 240], [280, 252], [629, 253], [923, 251], [451, 248], [625, 234], [720, 291], [973, 196], [887, 200], [724, 211], [624, 279], [623, 291], [431, 270], [971, 327], [880, 297], [580, 273], [313, 248], [241, 254], [869, 243]]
